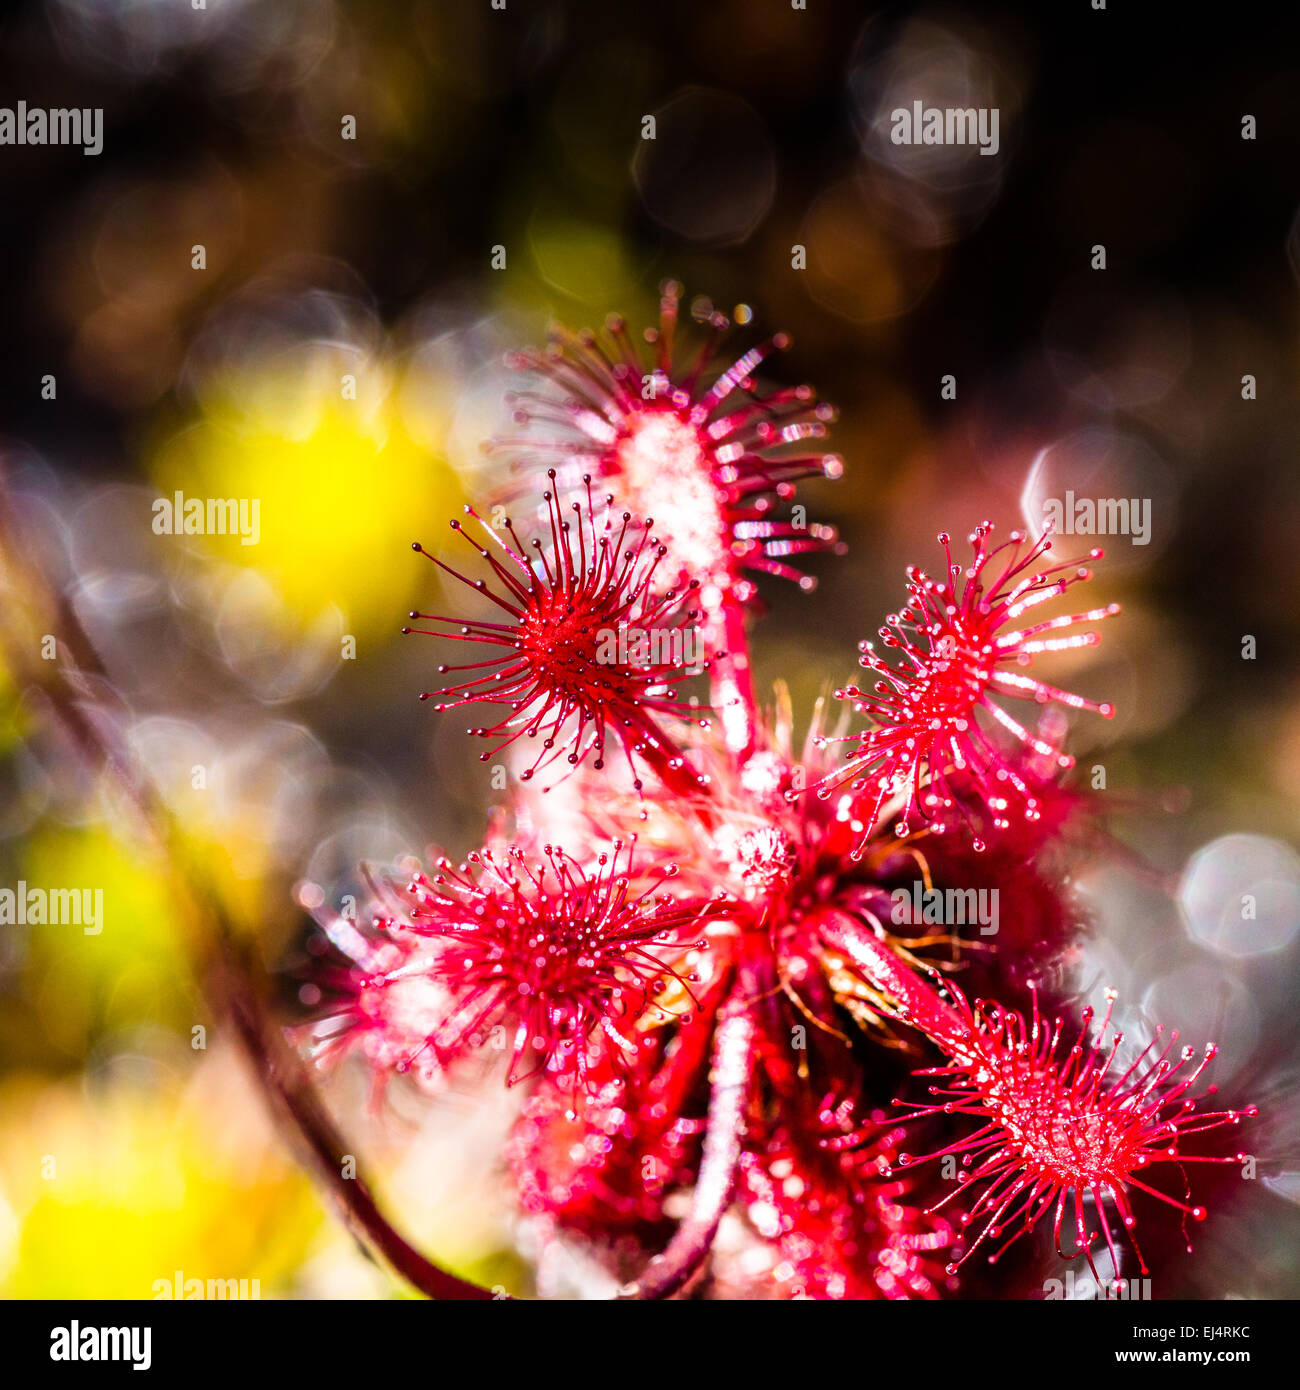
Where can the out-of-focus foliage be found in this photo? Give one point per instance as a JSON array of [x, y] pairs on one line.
[[110, 1184], [340, 487]]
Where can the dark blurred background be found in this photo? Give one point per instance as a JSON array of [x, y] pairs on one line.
[[372, 257]]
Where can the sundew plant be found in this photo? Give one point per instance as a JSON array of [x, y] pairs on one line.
[[685, 941]]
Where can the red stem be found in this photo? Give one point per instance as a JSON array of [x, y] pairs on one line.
[[733, 1050], [282, 1078], [672, 769], [731, 677]]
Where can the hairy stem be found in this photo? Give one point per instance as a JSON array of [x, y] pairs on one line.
[[671, 769], [731, 678], [733, 1049]]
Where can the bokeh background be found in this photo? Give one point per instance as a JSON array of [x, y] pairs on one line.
[[372, 258]]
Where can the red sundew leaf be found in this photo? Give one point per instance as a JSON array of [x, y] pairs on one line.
[[955, 654], [586, 646], [706, 460]]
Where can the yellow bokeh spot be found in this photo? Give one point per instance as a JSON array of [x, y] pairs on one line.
[[110, 1192], [342, 489]]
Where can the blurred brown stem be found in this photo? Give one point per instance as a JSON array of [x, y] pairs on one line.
[[228, 977]]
